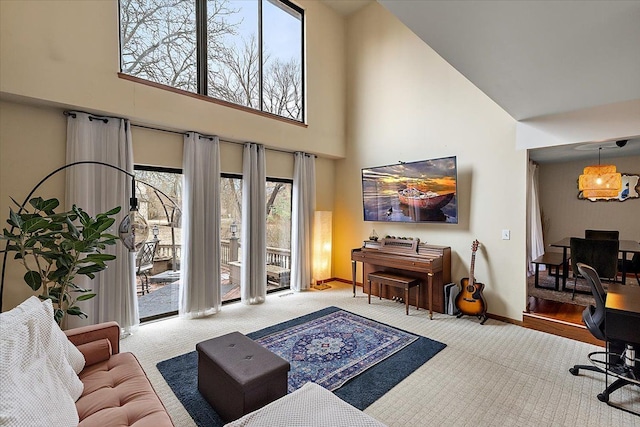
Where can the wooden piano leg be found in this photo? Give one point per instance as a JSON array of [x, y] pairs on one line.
[[406, 299], [430, 280], [353, 276]]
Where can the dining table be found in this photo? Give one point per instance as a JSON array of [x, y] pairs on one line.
[[625, 247]]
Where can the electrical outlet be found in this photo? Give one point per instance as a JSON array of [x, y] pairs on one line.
[[506, 234]]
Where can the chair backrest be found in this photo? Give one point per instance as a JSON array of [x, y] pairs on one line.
[[602, 234], [594, 316], [144, 257], [635, 262], [600, 254]]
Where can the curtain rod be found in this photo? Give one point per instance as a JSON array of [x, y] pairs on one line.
[[210, 137]]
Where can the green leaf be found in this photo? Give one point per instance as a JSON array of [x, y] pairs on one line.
[[85, 297], [113, 211], [58, 315], [97, 257], [75, 311], [35, 224], [108, 222], [14, 219], [48, 206], [33, 279], [36, 201], [92, 268]]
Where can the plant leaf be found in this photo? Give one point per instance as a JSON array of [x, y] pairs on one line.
[[113, 211], [49, 205], [85, 297], [33, 279]]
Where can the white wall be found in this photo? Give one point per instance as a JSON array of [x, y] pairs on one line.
[[406, 103]]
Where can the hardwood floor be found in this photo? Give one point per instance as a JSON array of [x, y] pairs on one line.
[[559, 319]]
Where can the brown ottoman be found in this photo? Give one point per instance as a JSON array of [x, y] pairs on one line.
[[236, 375]]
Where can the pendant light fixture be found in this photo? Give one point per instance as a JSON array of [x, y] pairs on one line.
[[600, 181]]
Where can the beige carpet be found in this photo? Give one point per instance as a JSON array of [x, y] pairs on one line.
[[496, 374]]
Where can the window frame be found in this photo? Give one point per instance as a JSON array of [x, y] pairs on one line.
[[202, 65]]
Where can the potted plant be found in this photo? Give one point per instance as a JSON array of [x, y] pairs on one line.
[[57, 247]]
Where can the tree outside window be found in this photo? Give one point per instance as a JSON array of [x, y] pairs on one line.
[[251, 54]]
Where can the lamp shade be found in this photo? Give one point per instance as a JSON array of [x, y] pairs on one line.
[[601, 181], [321, 246]]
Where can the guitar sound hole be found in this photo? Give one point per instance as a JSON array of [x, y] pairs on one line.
[[470, 289]]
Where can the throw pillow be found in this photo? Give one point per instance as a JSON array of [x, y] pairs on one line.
[[31, 389], [56, 345], [58, 349]]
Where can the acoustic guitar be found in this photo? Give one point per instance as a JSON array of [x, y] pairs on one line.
[[470, 300]]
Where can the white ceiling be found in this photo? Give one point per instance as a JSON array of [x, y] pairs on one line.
[[534, 58]]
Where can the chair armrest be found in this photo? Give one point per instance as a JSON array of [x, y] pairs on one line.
[[86, 334]]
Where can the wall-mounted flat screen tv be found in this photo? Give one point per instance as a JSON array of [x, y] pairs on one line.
[[423, 191]]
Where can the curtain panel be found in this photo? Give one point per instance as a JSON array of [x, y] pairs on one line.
[[303, 207], [535, 239], [97, 189], [253, 282], [200, 264]]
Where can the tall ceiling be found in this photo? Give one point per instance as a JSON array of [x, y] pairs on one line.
[[533, 58]]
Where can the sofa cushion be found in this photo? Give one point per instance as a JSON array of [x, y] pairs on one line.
[[117, 392], [30, 385]]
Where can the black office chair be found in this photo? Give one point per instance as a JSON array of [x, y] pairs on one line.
[[600, 254], [602, 234], [618, 353], [144, 264], [631, 266]]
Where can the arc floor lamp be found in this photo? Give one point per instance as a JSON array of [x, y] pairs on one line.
[[133, 229]]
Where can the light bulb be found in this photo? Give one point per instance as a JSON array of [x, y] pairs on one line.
[[133, 230]]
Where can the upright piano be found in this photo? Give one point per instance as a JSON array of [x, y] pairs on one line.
[[429, 263]]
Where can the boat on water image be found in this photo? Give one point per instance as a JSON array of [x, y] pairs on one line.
[[428, 200]]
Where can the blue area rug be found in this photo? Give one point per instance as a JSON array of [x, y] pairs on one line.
[[400, 354]]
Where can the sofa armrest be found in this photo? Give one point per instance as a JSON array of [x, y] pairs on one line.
[[87, 334]]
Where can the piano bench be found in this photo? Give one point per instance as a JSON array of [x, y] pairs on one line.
[[390, 279]]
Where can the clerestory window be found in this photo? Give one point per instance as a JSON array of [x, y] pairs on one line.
[[246, 52]]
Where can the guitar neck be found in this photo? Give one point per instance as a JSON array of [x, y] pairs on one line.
[[473, 263]]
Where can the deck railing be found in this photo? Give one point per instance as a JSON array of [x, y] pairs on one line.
[[275, 256]]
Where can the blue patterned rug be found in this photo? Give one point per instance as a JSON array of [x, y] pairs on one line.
[[367, 386], [334, 348]]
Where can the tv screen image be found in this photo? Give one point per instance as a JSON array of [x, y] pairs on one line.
[[423, 191]]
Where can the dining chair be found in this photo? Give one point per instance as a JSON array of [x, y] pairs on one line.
[[600, 254], [602, 234], [144, 264], [631, 266]]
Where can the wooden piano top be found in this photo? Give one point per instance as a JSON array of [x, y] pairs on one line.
[[411, 256]]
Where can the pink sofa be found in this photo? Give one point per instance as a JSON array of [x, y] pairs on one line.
[[116, 392]]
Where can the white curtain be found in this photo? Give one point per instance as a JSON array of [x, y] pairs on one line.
[[97, 189], [303, 206], [253, 283], [200, 264], [535, 241]]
